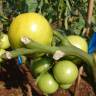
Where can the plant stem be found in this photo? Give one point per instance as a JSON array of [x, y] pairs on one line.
[[63, 38], [71, 50], [66, 49], [68, 5], [89, 15], [90, 11], [78, 81], [19, 51]]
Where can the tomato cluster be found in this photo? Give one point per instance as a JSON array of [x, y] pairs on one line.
[[63, 74], [50, 74]]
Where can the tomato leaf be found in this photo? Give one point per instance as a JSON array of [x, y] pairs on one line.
[[31, 5]]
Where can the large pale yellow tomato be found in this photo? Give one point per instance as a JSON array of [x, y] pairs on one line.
[[79, 42], [31, 25]]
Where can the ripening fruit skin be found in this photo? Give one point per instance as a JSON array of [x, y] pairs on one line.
[[65, 72], [40, 66], [31, 25], [4, 41], [78, 42], [47, 84], [65, 86]]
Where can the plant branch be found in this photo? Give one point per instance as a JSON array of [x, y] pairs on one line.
[[63, 38], [34, 47], [90, 11], [72, 50], [16, 52], [89, 15], [78, 81]]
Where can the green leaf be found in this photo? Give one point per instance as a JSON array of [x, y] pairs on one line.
[[61, 7], [77, 26], [31, 5]]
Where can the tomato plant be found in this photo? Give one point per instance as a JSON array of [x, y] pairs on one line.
[[47, 84], [65, 72], [30, 20], [31, 25]]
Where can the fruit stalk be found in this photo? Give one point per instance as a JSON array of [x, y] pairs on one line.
[[16, 52], [68, 51], [71, 51], [34, 47], [89, 15], [63, 38]]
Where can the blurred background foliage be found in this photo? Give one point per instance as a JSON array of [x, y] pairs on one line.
[[69, 16]]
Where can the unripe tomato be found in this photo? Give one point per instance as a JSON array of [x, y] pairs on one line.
[[65, 72], [79, 42], [40, 65], [31, 25], [4, 41], [65, 86], [47, 84]]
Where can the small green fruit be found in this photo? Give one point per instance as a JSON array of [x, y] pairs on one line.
[[65, 72], [47, 84], [40, 65]]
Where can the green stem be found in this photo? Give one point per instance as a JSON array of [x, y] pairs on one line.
[[46, 1], [63, 38], [66, 22], [68, 51], [19, 51], [72, 50], [68, 5], [51, 50]]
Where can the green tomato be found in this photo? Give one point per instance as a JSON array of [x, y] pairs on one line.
[[2, 51], [4, 41], [78, 42], [32, 25], [65, 86], [47, 84], [65, 72], [40, 65]]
